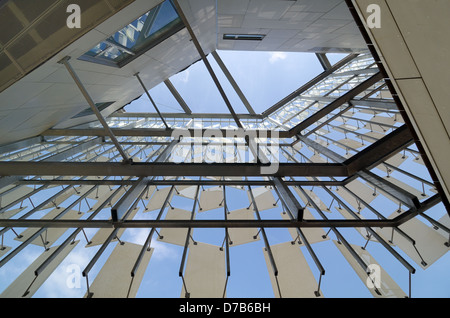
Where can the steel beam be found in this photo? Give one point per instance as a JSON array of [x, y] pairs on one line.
[[380, 150], [151, 99], [369, 158], [289, 200], [233, 83], [177, 96], [265, 223], [184, 182], [323, 59], [140, 169], [158, 132]]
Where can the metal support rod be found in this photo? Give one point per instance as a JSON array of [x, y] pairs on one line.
[[41, 230], [108, 240], [188, 235], [71, 237], [146, 245], [288, 199], [151, 99], [65, 62], [227, 245], [341, 239], [263, 232], [178, 97], [372, 232]]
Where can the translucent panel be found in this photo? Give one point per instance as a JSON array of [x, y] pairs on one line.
[[211, 198], [205, 274], [28, 281], [264, 198], [50, 235], [313, 235], [114, 279], [295, 278], [157, 200], [175, 236], [385, 285], [418, 193], [322, 206], [363, 231], [102, 234], [187, 191], [14, 195], [430, 244], [362, 190], [10, 213], [238, 236], [4, 250]]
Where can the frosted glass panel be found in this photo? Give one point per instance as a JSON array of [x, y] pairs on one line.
[[175, 235], [385, 285], [205, 273], [240, 236], [20, 285], [114, 279], [295, 278]]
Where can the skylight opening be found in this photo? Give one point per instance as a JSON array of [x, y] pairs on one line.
[[136, 38]]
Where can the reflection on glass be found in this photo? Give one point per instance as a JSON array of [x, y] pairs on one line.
[[137, 37]]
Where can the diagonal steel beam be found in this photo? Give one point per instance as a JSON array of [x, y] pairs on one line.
[[65, 62], [370, 158], [233, 82], [380, 150], [177, 96], [323, 59], [151, 99], [288, 198]]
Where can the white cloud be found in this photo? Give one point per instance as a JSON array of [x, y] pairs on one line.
[[277, 56], [184, 76]]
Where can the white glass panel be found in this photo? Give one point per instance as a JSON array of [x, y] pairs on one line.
[[242, 235], [21, 283], [114, 279], [205, 273], [379, 281], [295, 278], [175, 235], [51, 234]]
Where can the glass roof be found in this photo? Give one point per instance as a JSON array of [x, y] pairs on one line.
[[137, 37]]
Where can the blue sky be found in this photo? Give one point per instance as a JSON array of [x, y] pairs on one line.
[[264, 77]]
